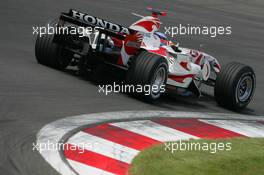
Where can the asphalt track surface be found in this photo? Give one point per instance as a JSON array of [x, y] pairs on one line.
[[32, 95]]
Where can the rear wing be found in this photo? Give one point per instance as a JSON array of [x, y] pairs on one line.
[[84, 20]]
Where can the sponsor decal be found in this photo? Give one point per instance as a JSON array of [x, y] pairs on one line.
[[99, 22]]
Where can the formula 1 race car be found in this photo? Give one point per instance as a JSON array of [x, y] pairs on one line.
[[146, 55]]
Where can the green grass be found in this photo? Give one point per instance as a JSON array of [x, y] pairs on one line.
[[245, 158]]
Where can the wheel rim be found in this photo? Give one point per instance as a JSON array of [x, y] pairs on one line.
[[244, 88], [159, 79]]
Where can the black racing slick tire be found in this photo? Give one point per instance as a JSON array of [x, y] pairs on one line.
[[149, 72], [235, 86], [49, 53]]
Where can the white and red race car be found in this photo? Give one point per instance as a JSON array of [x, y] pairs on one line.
[[146, 54]]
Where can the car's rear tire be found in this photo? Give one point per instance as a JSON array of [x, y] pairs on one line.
[[49, 53], [235, 86], [148, 69]]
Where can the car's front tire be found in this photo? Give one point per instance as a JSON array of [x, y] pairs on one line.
[[235, 86]]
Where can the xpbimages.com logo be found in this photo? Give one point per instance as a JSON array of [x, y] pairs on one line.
[[58, 30], [50, 146], [204, 146], [211, 31], [127, 88]]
